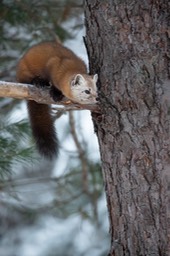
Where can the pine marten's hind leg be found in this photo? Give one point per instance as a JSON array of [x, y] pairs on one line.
[[40, 82], [56, 94]]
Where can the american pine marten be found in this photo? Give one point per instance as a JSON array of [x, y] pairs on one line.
[[52, 64]]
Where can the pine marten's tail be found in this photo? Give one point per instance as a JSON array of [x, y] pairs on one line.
[[43, 129]]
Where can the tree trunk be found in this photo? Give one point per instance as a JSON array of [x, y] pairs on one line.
[[127, 43]]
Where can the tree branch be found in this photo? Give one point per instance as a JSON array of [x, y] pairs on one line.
[[40, 95], [81, 152]]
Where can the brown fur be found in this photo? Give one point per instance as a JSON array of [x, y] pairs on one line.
[[49, 63], [53, 62]]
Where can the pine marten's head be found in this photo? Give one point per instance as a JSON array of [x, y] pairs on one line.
[[83, 89]]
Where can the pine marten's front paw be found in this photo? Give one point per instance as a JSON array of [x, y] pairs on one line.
[[56, 94]]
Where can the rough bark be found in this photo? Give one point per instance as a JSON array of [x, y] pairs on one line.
[[127, 44]]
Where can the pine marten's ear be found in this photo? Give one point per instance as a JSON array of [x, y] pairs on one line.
[[78, 80], [95, 78]]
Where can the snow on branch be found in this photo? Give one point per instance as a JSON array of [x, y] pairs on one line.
[[40, 95]]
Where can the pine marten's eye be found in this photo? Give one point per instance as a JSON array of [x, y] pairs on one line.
[[87, 91]]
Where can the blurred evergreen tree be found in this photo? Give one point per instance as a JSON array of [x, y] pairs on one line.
[[22, 24]]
